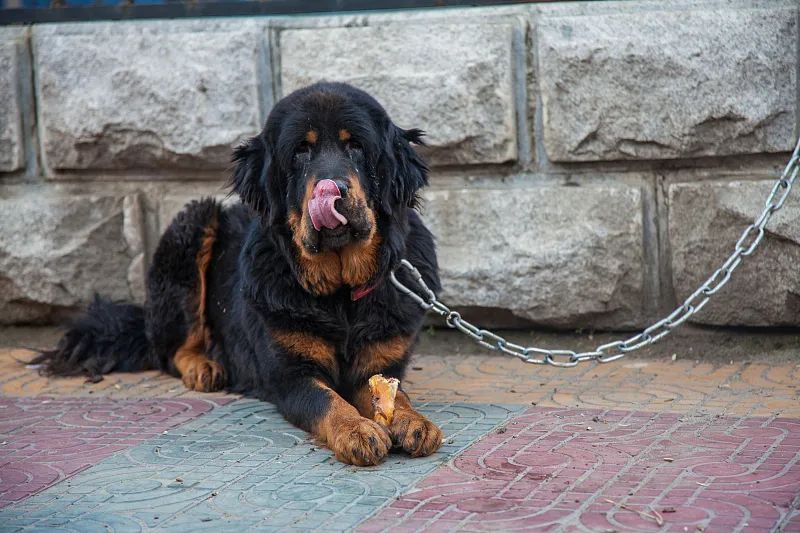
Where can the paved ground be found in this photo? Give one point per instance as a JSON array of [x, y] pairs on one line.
[[702, 434]]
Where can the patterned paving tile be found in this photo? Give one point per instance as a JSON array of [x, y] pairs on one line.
[[761, 388], [16, 379], [45, 441], [241, 466], [268, 475], [556, 469]]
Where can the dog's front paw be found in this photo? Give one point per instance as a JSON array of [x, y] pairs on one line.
[[414, 433], [360, 442]]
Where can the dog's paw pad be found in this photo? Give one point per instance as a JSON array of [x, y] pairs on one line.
[[361, 442], [415, 434]]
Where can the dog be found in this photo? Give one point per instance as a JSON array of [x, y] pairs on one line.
[[285, 296]]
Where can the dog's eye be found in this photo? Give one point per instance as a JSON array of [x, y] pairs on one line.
[[304, 148], [353, 145]]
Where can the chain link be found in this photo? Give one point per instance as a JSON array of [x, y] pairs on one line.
[[612, 351]]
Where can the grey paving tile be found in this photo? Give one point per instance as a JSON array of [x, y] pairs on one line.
[[283, 480]]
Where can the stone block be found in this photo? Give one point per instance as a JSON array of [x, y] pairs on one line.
[[452, 80], [56, 252], [705, 221], [146, 97], [12, 152], [661, 85], [552, 255]]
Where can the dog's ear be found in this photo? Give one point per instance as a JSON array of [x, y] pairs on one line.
[[253, 178], [402, 170]]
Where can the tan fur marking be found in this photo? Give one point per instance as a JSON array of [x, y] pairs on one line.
[[355, 264], [376, 357], [321, 273], [412, 431], [311, 137], [203, 259], [309, 346], [402, 401], [360, 259], [198, 372], [344, 135], [191, 349], [352, 438], [409, 429], [362, 400], [356, 193], [338, 411]]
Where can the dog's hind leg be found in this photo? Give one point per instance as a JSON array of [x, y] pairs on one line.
[[198, 372], [177, 292]]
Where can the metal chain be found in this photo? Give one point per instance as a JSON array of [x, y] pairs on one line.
[[745, 246]]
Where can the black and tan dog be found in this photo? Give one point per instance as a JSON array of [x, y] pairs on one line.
[[286, 297]]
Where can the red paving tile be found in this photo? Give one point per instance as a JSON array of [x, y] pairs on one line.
[[45, 440], [559, 467]]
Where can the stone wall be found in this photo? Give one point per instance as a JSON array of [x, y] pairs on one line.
[[592, 161]]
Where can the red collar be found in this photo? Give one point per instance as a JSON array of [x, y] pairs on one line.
[[359, 292]]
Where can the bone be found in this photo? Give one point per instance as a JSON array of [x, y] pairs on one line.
[[383, 392]]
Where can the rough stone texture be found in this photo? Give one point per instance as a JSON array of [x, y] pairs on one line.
[[56, 252], [133, 230], [173, 99], [171, 205], [11, 146], [459, 90], [155, 107], [561, 256], [705, 221], [665, 85]]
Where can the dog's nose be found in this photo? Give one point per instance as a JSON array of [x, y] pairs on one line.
[[342, 185]]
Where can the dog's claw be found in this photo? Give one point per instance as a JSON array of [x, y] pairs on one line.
[[361, 442], [414, 433]]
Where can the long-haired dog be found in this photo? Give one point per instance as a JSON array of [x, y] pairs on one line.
[[285, 297]]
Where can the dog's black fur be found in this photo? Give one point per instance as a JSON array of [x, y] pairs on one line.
[[253, 299]]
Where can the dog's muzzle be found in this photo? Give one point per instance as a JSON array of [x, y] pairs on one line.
[[322, 205]]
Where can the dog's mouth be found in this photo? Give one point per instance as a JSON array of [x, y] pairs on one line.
[[332, 239], [323, 208], [337, 214]]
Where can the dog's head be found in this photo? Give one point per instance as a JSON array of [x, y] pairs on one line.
[[331, 165]]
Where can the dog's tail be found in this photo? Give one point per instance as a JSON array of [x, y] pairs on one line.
[[109, 337]]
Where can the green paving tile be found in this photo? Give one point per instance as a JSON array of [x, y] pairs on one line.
[[282, 480]]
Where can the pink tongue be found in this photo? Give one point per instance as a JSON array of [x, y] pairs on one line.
[[321, 206]]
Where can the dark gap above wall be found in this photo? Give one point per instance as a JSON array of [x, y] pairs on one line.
[[33, 11]]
